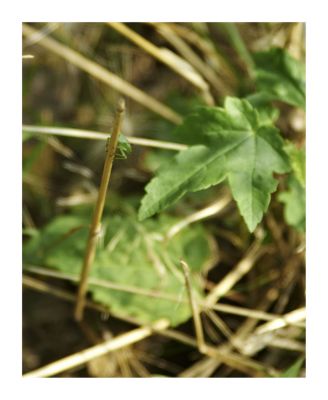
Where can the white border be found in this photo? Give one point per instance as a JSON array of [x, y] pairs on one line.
[[10, 363]]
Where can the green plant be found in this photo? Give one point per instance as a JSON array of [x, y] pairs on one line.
[[224, 149], [132, 255]]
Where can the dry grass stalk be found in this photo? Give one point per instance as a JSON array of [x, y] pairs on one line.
[[292, 317], [191, 56], [242, 268], [86, 134], [44, 287], [101, 73], [194, 308], [84, 356], [209, 365], [251, 314], [206, 212], [172, 60], [96, 220]]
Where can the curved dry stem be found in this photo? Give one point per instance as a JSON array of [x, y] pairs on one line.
[[206, 212]]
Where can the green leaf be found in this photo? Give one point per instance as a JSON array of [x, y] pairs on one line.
[[229, 143], [280, 77], [131, 254], [297, 161], [191, 170], [294, 200], [26, 136], [294, 370]]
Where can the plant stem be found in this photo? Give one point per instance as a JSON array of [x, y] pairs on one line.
[[194, 308], [206, 212], [223, 308], [241, 269], [84, 356], [96, 221], [86, 134], [293, 316], [191, 56], [238, 43]]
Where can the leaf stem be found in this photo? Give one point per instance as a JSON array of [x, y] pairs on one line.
[[96, 221]]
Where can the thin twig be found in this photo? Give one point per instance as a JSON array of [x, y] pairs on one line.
[[93, 352], [219, 323], [172, 60], [194, 309], [210, 53], [277, 233], [41, 34], [44, 287], [287, 344], [86, 134], [96, 221], [292, 317], [224, 308], [220, 354], [191, 56], [104, 75], [246, 312], [238, 339], [242, 268], [209, 363], [206, 212]]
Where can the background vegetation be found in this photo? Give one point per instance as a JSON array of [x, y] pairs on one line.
[[246, 267]]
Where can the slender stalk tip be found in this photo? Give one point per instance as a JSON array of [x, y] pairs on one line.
[[121, 105], [185, 267]]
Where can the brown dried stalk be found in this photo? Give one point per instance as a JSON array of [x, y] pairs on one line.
[[96, 221]]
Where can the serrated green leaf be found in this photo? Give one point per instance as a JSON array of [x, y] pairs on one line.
[[268, 114], [294, 201], [131, 254], [191, 170], [280, 77], [237, 147]]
